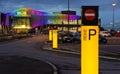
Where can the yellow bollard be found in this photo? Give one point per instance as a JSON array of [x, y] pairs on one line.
[[55, 37], [89, 50], [50, 35]]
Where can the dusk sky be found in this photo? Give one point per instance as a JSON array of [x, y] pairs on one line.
[[105, 7]]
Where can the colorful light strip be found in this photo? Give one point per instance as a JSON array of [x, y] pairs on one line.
[[40, 18]]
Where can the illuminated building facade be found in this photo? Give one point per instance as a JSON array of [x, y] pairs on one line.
[[25, 19]]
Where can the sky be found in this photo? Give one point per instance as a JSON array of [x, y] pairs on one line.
[[105, 8]]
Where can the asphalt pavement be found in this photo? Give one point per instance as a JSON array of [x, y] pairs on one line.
[[14, 64], [17, 65], [74, 48], [24, 65]]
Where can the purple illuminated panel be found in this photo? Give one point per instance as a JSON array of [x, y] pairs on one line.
[[7, 20], [36, 21], [73, 17]]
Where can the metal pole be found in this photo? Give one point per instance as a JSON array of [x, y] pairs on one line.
[[68, 15], [77, 25], [113, 17], [113, 4]]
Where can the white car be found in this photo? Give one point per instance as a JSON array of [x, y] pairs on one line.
[[105, 33]]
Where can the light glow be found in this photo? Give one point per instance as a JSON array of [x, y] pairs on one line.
[[113, 4]]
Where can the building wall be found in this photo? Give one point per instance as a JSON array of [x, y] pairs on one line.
[[21, 24], [5, 23], [27, 19]]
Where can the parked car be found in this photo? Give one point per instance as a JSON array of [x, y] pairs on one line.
[[67, 38], [113, 33], [117, 34], [102, 39], [105, 33], [77, 38]]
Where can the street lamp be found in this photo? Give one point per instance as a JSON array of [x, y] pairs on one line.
[[113, 5], [68, 14]]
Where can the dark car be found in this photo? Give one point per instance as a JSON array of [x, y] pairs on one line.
[[77, 38], [102, 40], [113, 32], [67, 38]]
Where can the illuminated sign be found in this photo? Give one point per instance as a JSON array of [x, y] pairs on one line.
[[21, 13], [89, 49], [90, 15]]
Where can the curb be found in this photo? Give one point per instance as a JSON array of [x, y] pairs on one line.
[[57, 50], [76, 53], [54, 67], [109, 58]]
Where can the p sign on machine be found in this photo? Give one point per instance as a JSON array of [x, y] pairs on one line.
[[89, 40]]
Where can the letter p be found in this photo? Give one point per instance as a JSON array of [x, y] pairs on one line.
[[92, 32]]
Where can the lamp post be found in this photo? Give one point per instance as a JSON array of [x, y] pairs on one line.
[[68, 15], [113, 5]]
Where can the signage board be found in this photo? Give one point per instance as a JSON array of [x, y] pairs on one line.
[[90, 15]]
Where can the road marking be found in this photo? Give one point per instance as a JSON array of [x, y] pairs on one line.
[[110, 45], [107, 57], [76, 53]]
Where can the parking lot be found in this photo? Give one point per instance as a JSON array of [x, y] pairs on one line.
[[113, 40], [111, 48], [109, 54]]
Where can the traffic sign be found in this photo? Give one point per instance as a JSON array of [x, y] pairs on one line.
[[90, 15]]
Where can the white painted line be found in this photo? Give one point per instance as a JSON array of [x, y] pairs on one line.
[[112, 58], [62, 51], [76, 53], [110, 45]]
